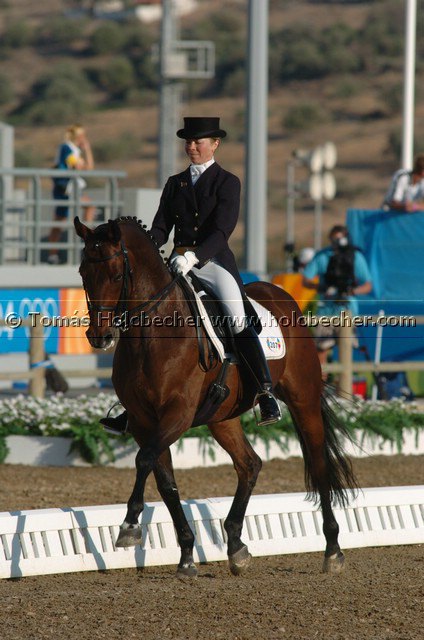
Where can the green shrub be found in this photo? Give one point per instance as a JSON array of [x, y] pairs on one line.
[[303, 116], [108, 38], [126, 146], [346, 87], [17, 34], [392, 98], [57, 96], [6, 89], [59, 31], [52, 111], [118, 77]]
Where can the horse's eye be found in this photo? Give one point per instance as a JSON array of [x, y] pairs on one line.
[[118, 277]]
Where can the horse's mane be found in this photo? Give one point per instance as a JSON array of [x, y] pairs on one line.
[[102, 230]]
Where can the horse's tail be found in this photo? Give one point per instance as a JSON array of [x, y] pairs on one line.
[[340, 478]]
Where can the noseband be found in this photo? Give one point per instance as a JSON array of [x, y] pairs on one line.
[[122, 315]]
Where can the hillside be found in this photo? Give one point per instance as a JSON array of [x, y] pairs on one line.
[[360, 110]]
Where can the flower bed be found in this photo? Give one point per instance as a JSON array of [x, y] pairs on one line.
[[77, 419]]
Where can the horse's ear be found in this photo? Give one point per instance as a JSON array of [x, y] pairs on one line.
[[114, 231], [82, 231]]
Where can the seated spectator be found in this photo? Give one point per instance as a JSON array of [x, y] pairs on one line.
[[406, 192], [74, 153]]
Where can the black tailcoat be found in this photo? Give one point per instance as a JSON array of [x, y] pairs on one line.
[[204, 215]]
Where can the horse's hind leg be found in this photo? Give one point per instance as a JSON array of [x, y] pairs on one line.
[[247, 464], [167, 487], [327, 472]]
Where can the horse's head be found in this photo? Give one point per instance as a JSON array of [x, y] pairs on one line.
[[105, 273]]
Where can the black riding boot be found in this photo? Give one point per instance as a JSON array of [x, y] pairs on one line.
[[250, 351], [116, 425]]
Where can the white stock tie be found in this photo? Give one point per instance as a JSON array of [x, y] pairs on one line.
[[196, 171]]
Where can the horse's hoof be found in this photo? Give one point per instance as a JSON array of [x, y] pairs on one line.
[[334, 563], [239, 561], [187, 571], [129, 535]]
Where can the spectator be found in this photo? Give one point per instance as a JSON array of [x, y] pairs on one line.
[[74, 153], [406, 192], [343, 273], [304, 256]]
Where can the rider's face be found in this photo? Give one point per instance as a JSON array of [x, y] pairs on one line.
[[201, 150]]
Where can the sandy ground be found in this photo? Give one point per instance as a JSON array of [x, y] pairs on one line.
[[379, 596]]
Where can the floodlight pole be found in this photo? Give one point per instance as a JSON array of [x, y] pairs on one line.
[[409, 81], [257, 134], [170, 96]]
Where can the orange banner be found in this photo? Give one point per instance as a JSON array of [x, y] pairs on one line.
[[292, 283], [73, 311]]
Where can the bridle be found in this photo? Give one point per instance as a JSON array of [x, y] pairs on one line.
[[121, 315]]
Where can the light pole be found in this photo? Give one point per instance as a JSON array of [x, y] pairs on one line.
[[257, 139], [409, 82]]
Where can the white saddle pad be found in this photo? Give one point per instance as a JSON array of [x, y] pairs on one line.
[[270, 338]]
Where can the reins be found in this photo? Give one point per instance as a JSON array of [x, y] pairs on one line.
[[122, 317]]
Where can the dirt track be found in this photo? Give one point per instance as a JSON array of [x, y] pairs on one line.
[[380, 596]]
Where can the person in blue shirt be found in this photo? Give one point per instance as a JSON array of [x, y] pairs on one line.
[[74, 153], [342, 274]]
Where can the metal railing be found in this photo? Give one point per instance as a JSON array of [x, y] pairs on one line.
[[27, 211]]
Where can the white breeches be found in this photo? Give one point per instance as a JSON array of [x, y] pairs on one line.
[[228, 292]]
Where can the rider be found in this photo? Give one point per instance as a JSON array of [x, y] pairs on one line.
[[202, 205]]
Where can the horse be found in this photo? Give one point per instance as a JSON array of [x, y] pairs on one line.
[[157, 378]]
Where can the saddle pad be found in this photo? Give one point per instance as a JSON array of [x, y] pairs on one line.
[[270, 338]]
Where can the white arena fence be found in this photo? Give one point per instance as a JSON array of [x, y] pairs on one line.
[[66, 540]]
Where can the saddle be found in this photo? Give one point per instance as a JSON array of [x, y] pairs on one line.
[[208, 313]]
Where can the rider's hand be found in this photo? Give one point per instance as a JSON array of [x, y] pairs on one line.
[[181, 265]]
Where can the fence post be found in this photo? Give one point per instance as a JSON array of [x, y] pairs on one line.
[[345, 354], [37, 384]]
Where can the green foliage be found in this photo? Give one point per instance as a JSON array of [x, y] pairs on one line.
[[392, 98], [78, 419], [6, 89], [346, 87], [59, 31], [17, 34], [109, 37], [303, 116], [127, 146], [118, 77], [59, 96]]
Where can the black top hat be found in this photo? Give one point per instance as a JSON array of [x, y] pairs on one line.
[[195, 128]]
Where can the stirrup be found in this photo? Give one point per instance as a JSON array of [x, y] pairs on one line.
[[108, 422], [268, 415]]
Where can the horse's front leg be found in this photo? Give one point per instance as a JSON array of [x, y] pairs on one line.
[[247, 464], [130, 529], [167, 487]]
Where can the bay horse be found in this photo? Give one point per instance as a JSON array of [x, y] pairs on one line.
[[157, 378]]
